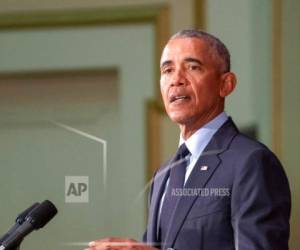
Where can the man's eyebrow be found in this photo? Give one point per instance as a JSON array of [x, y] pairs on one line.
[[191, 59], [167, 62], [187, 59]]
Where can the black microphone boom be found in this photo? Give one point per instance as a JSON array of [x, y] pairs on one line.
[[21, 217], [19, 220], [34, 220]]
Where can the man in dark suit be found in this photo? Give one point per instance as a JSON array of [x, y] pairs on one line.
[[221, 190]]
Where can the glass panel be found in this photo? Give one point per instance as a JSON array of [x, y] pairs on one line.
[[60, 140]]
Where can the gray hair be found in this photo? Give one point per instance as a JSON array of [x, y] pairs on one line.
[[218, 47]]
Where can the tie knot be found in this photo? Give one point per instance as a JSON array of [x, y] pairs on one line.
[[182, 151]]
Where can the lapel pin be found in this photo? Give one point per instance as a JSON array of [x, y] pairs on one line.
[[204, 168]]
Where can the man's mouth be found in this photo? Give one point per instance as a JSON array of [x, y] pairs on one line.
[[175, 98]]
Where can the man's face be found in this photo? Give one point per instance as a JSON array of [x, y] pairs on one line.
[[190, 81]]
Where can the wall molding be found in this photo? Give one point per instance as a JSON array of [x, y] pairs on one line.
[[277, 78]]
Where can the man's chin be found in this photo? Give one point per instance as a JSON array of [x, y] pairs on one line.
[[180, 119]]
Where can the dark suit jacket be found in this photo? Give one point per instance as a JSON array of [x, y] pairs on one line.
[[244, 204]]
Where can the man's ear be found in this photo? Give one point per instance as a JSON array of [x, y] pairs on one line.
[[228, 83]]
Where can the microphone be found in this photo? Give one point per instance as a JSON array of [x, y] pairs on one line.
[[21, 217], [37, 218], [19, 220]]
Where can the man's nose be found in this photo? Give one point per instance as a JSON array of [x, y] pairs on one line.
[[178, 78]]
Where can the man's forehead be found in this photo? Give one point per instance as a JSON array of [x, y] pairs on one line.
[[186, 47]]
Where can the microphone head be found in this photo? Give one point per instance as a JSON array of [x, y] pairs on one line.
[[21, 217], [42, 214]]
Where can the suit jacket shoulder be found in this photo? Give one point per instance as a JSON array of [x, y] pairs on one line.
[[255, 214]]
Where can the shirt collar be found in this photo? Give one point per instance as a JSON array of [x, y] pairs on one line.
[[198, 141]]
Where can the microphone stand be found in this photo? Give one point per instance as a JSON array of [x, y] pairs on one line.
[[12, 248], [15, 248]]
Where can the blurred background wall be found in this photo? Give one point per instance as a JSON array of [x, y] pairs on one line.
[[93, 66]]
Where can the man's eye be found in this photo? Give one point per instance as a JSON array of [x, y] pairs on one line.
[[167, 70], [194, 67]]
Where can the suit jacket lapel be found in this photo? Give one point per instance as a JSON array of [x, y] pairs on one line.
[[197, 179], [210, 158]]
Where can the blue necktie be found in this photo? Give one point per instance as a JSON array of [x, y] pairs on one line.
[[176, 180]]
